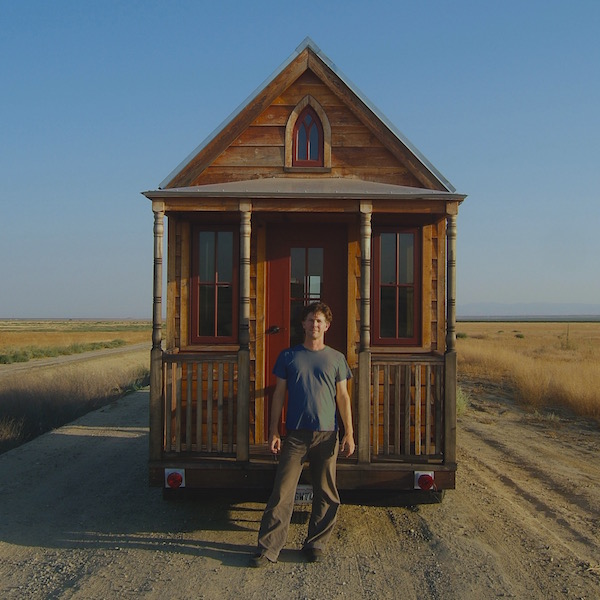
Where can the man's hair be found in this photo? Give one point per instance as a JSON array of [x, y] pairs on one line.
[[316, 307]]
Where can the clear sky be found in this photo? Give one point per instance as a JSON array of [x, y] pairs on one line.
[[101, 100]]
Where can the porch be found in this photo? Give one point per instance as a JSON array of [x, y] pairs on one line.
[[208, 424]]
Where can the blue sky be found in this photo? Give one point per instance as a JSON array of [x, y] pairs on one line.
[[102, 100]]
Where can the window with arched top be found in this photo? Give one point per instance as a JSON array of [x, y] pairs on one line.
[[307, 150]]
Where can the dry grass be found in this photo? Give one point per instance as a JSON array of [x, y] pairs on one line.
[[17, 334], [39, 399], [545, 364]]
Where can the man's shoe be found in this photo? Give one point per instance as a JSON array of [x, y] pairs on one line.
[[260, 560], [313, 554]]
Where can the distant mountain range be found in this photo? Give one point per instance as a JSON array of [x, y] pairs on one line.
[[528, 309]]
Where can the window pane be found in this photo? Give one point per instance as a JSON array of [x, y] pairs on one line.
[[315, 261], [225, 256], [224, 310], [315, 273], [296, 331], [314, 143], [298, 273], [388, 258], [406, 325], [406, 258], [206, 310], [387, 312], [301, 145], [206, 258]]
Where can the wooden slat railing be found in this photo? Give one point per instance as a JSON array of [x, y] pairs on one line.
[[406, 407], [199, 396]]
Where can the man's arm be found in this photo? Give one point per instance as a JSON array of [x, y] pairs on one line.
[[276, 410], [342, 399]]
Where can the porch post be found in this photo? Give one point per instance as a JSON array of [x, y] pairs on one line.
[[450, 357], [364, 356], [243, 391], [156, 409]]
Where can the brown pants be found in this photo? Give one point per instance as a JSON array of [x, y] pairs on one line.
[[320, 449]]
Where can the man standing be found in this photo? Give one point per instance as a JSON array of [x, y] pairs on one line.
[[315, 377]]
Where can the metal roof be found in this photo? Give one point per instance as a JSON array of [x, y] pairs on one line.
[[308, 43], [297, 187]]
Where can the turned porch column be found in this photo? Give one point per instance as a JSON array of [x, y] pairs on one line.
[[450, 357], [364, 356], [243, 391], [156, 412]]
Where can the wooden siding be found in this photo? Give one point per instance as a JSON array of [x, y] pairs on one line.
[[259, 151]]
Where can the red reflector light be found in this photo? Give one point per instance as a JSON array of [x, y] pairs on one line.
[[174, 480], [425, 481]]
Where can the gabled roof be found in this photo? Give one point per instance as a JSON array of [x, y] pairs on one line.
[[241, 117]]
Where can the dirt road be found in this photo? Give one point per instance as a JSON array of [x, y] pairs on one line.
[[79, 521]]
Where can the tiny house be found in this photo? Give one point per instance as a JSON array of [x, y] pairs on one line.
[[305, 193]]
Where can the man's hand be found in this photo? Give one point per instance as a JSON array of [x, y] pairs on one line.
[[275, 443], [347, 446]]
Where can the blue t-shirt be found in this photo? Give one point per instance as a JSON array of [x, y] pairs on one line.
[[311, 377]]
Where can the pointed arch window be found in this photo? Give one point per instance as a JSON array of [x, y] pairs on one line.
[[308, 144]]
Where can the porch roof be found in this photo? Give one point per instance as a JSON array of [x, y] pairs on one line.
[[293, 187]]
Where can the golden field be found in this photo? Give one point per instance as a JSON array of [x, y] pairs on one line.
[[16, 333], [36, 400], [551, 365]]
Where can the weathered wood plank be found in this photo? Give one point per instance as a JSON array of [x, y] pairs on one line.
[[318, 91], [407, 398], [177, 387], [350, 138], [376, 392], [245, 156], [261, 136], [188, 406], [220, 407], [199, 406], [397, 411], [209, 406], [428, 423], [230, 406], [374, 157], [386, 409], [417, 409]]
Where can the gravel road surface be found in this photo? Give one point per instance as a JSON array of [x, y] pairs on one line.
[[79, 521]]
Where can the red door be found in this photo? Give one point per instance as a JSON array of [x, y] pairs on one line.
[[306, 264]]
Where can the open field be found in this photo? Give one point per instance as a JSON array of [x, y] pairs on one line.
[[543, 365], [24, 340], [49, 393]]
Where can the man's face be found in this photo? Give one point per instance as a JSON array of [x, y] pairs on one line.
[[315, 325]]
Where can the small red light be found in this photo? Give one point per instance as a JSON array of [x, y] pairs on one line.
[[425, 481], [174, 480]]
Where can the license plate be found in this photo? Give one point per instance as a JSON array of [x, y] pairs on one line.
[[304, 494]]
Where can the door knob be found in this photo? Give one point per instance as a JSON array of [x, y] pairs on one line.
[[273, 329]]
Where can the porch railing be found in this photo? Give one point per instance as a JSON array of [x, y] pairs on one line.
[[407, 397], [199, 398], [406, 406]]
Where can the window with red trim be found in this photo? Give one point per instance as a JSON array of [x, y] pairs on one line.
[[214, 298], [307, 148], [397, 287]]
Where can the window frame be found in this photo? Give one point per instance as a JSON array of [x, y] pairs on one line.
[[376, 338], [195, 283], [319, 161]]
